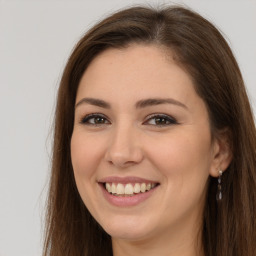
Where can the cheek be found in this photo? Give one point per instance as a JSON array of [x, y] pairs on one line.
[[184, 163], [86, 154], [184, 159], [182, 148]]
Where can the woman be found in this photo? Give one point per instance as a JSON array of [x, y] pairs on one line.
[[154, 144]]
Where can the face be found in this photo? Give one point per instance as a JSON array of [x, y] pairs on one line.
[[141, 147]]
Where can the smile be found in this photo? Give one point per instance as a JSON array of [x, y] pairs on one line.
[[119, 189], [127, 191]]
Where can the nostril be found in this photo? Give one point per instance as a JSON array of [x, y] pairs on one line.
[[123, 155]]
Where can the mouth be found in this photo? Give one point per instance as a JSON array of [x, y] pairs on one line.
[[128, 189]]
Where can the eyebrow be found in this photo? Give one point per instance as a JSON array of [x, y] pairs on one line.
[[140, 104], [158, 101], [94, 102]]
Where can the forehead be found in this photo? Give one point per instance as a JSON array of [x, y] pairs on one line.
[[135, 71]]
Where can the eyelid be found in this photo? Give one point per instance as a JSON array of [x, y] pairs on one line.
[[85, 118], [169, 118]]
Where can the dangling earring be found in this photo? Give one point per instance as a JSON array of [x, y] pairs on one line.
[[219, 191]]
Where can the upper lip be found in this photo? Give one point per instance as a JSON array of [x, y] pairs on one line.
[[125, 180]]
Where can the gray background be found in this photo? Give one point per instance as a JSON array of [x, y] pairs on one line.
[[36, 38]]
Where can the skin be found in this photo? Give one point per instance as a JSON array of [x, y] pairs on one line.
[[129, 142]]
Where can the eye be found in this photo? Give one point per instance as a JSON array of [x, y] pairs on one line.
[[160, 120], [94, 119]]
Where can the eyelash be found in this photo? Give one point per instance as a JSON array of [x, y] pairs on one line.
[[169, 120], [85, 120]]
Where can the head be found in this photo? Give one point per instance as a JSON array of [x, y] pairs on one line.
[[191, 52]]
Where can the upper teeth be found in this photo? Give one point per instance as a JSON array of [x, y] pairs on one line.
[[128, 189]]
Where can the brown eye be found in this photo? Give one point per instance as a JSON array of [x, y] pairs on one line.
[[161, 120], [99, 120], [94, 119]]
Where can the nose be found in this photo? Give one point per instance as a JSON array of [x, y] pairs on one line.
[[124, 149]]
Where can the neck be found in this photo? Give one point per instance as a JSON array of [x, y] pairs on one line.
[[176, 244]]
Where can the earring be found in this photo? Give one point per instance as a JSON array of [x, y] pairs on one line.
[[219, 191]]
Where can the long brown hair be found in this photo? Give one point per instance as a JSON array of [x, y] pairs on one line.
[[229, 227]]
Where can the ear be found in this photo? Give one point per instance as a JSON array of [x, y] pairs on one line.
[[222, 152]]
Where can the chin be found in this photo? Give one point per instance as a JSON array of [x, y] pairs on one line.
[[131, 235], [128, 229]]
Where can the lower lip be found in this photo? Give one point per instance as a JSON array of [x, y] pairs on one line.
[[125, 201]]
